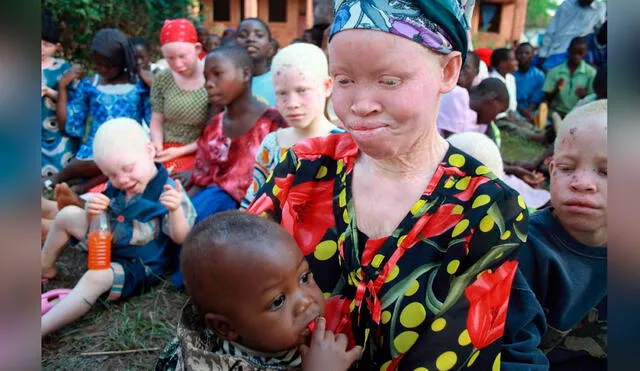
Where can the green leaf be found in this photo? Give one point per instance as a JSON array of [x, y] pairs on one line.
[[496, 214], [398, 289]]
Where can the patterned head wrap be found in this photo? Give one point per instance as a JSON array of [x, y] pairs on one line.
[[180, 29], [440, 25]]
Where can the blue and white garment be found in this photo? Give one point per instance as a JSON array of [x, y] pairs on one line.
[[57, 148], [101, 103]]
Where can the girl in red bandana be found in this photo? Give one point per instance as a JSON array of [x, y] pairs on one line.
[[178, 99]]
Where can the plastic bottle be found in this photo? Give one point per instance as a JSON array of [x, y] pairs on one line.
[[99, 242]]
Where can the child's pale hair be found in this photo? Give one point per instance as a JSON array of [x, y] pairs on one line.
[[583, 115], [119, 135], [306, 57], [482, 148]]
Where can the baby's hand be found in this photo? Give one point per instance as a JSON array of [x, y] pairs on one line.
[[97, 202], [73, 74], [171, 197], [327, 351]]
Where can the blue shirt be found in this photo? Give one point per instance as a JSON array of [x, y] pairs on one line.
[[529, 87], [262, 88], [569, 280]]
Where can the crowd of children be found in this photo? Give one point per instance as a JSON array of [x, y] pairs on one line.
[[168, 148]]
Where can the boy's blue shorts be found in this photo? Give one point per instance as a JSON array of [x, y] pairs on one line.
[[131, 277]]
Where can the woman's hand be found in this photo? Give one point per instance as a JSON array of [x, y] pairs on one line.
[[169, 154], [74, 73], [50, 93], [97, 202], [327, 351], [171, 197]]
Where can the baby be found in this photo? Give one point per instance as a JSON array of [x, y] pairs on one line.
[[146, 209], [253, 299]]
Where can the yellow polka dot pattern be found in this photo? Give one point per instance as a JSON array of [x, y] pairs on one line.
[[505, 235], [421, 369], [385, 366], [325, 250], [322, 172], [413, 315], [339, 166], [463, 183], [413, 288], [487, 223], [417, 207], [385, 317], [400, 240], [453, 266], [342, 198], [438, 324], [393, 274], [519, 217], [276, 190], [345, 216], [480, 201], [460, 227], [457, 210], [326, 295], [456, 160], [450, 182], [521, 202], [496, 363], [473, 358], [482, 170], [377, 260], [446, 361], [405, 341], [464, 338]]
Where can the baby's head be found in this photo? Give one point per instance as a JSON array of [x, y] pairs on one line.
[[250, 282], [482, 148], [124, 153], [579, 173], [302, 84]]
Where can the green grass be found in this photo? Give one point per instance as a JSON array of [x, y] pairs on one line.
[[517, 148], [143, 322]]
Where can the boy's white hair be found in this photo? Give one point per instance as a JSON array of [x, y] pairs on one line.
[[306, 57], [583, 115], [482, 148], [119, 135]]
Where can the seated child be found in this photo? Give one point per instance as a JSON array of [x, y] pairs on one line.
[[484, 149], [529, 81], [145, 209], [565, 263], [503, 65], [252, 300], [302, 84], [227, 148], [571, 81]]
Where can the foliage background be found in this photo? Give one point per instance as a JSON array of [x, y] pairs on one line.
[[80, 19]]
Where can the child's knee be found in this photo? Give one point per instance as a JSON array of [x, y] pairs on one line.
[[98, 281], [72, 217]]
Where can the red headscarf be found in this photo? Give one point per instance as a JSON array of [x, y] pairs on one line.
[[178, 30]]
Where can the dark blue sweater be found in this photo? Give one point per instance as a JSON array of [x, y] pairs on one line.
[[569, 279]]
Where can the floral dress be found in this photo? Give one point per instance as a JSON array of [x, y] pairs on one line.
[[434, 294], [101, 103], [57, 147]]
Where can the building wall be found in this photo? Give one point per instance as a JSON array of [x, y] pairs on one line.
[[512, 24], [297, 18]]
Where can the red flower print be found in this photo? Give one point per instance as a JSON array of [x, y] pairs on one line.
[[474, 183], [432, 225], [307, 213], [261, 204], [488, 301]]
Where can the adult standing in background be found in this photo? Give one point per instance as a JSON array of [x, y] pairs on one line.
[[573, 18]]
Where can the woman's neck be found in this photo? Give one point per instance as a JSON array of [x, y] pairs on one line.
[[420, 159], [260, 67]]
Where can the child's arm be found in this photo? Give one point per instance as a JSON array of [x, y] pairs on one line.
[[61, 106], [157, 135], [179, 220], [175, 152], [327, 351]]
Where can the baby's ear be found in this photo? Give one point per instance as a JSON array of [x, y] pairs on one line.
[[221, 326], [150, 149]]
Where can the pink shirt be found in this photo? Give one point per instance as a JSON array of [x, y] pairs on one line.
[[455, 114]]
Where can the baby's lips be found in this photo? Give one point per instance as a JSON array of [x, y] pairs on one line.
[[312, 326]]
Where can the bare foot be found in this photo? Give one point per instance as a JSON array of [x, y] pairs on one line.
[[64, 196], [48, 273]]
